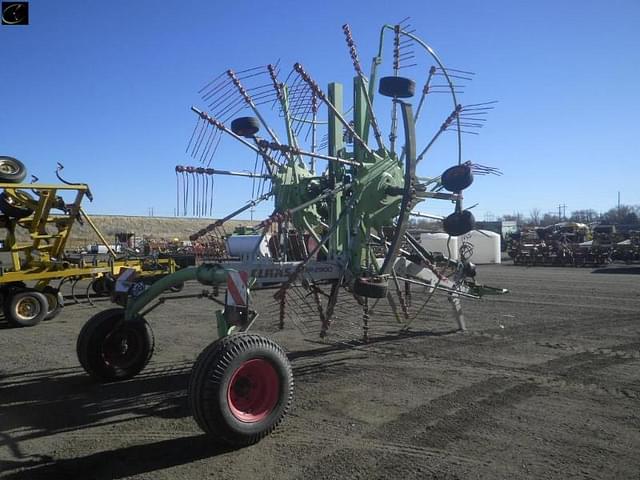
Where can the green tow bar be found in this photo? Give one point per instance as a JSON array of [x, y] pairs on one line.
[[207, 274]]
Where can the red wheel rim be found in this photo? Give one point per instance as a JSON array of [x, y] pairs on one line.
[[253, 390]]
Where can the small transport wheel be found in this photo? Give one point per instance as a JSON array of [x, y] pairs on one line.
[[240, 389], [14, 208], [457, 178], [55, 301], [110, 349], [12, 170], [397, 87], [25, 308], [370, 287], [459, 223], [245, 126]]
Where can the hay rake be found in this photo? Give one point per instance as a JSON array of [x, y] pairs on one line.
[[343, 184]]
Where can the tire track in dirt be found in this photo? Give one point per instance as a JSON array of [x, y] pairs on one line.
[[447, 418], [574, 306], [377, 458]]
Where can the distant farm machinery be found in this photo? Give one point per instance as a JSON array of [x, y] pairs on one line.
[[338, 231], [29, 268], [571, 244]]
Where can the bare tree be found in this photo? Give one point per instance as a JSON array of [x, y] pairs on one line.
[[584, 216], [622, 214], [534, 216]]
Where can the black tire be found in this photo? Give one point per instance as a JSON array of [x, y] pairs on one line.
[[55, 302], [110, 349], [370, 288], [457, 178], [459, 223], [397, 87], [9, 206], [12, 170], [240, 389], [245, 126], [25, 308]]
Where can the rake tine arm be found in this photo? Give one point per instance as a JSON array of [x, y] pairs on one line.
[[220, 126], [220, 222], [249, 101], [296, 151], [322, 96]]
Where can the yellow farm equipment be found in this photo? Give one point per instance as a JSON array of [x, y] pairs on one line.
[[38, 223]]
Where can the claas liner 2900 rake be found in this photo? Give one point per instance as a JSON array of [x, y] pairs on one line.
[[339, 226]]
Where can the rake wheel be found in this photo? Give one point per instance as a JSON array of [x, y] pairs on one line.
[[343, 167]]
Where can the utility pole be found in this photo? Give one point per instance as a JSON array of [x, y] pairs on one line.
[[562, 212]]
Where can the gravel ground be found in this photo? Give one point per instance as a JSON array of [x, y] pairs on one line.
[[544, 384]]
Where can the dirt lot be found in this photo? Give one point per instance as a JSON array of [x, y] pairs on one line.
[[545, 384]]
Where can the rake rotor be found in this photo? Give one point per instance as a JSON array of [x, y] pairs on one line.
[[343, 182]]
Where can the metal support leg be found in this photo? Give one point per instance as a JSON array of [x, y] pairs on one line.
[[457, 311]]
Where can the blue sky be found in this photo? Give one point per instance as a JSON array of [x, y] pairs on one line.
[[105, 88]]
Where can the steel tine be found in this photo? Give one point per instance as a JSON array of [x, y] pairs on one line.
[[186, 197], [215, 149], [207, 144], [453, 75], [197, 142], [194, 191], [73, 288], [407, 56], [203, 198], [245, 77], [492, 102], [220, 90], [196, 194], [464, 72], [453, 129], [264, 86], [211, 199], [216, 91], [211, 82], [211, 141], [250, 69], [206, 196], [199, 180], [201, 141], [222, 99], [86, 293], [193, 134], [231, 114], [205, 189], [177, 191], [223, 107]]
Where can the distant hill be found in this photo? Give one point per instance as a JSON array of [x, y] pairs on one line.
[[153, 227]]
